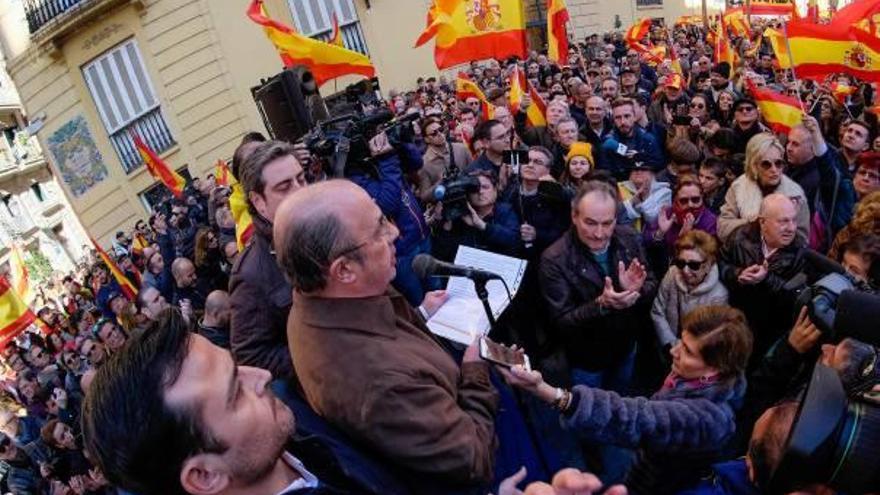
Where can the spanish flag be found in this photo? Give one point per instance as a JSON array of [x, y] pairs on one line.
[[325, 61], [557, 36], [467, 30], [818, 50], [125, 284], [15, 315], [336, 37], [20, 277], [736, 21], [466, 88], [222, 174], [771, 8], [159, 169], [841, 91], [138, 244], [637, 32], [536, 114], [781, 112], [777, 42], [723, 50], [244, 225]]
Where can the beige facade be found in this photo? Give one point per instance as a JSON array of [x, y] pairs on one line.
[[34, 213], [200, 58]]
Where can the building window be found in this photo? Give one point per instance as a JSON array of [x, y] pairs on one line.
[[38, 191], [157, 197], [315, 18], [649, 3], [119, 84]]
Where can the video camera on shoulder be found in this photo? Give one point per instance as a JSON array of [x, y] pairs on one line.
[[453, 194]]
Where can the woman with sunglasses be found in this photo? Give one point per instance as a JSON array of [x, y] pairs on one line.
[[687, 213], [764, 175], [692, 281]]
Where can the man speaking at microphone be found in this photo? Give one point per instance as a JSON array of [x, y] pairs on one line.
[[364, 357]]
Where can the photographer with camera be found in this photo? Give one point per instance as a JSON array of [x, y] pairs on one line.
[[441, 157], [486, 223], [397, 201]]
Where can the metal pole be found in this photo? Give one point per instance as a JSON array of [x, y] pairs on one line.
[[797, 84], [705, 15]]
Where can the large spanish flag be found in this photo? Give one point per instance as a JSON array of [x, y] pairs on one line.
[[244, 224], [15, 315], [125, 284], [557, 35], [325, 61], [780, 112], [20, 276], [467, 30], [777, 42], [736, 21], [158, 168], [818, 50], [723, 49], [637, 32]]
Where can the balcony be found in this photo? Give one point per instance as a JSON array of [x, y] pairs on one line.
[[352, 37], [41, 12], [152, 128], [49, 20]]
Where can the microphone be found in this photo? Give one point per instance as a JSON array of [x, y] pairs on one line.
[[425, 265], [614, 146]]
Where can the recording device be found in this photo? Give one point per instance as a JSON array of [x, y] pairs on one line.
[[503, 355], [552, 191], [838, 304], [344, 141], [681, 117], [515, 158], [289, 103], [832, 441], [425, 265], [453, 193], [614, 146]]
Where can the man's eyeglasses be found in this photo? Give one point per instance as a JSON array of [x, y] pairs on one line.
[[745, 108], [382, 229], [767, 164], [868, 174], [692, 265]]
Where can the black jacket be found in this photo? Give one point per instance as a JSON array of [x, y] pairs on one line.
[[594, 338], [260, 299]]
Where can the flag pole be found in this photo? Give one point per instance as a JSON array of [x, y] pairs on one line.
[[797, 83]]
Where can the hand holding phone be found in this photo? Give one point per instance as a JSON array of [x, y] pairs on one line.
[[503, 355]]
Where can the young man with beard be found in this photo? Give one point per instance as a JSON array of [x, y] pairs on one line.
[[636, 143], [174, 415]]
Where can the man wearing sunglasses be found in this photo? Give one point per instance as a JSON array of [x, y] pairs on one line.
[[746, 123]]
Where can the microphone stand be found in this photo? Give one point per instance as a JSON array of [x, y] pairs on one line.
[[483, 294]]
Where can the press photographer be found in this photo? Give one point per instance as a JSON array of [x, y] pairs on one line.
[[480, 221]]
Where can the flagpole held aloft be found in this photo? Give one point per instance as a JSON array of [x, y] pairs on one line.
[[797, 83]]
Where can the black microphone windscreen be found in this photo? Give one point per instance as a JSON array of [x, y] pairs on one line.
[[423, 265]]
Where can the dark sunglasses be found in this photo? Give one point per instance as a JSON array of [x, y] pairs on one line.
[[693, 265], [766, 164], [745, 108], [698, 105], [694, 200]]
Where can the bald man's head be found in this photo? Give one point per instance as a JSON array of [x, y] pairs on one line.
[[217, 309], [184, 272], [309, 227], [767, 445], [778, 219]]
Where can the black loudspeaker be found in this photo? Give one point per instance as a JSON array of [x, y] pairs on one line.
[[289, 103]]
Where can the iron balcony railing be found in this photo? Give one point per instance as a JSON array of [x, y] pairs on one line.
[[352, 37], [41, 12], [152, 128]]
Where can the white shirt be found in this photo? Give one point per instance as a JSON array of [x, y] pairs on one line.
[[306, 479]]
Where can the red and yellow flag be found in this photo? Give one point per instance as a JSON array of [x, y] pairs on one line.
[[222, 174], [735, 20], [15, 315], [326, 61], [159, 169], [19, 275], [536, 114], [138, 243], [841, 91], [466, 88], [125, 284], [780, 112], [557, 35], [771, 8], [822, 49], [777, 42], [467, 30], [637, 32], [723, 50], [244, 225], [336, 37]]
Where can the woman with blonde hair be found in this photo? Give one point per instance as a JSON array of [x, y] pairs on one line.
[[764, 175]]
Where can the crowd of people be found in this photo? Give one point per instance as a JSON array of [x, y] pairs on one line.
[[663, 224]]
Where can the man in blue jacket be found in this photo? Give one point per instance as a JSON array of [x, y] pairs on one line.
[[400, 205], [626, 142]]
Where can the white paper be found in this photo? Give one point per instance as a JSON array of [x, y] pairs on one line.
[[462, 318]]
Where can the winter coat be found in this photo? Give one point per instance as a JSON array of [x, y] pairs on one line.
[[647, 211], [674, 300], [500, 236], [260, 299], [643, 142], [742, 203], [681, 430], [594, 338]]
